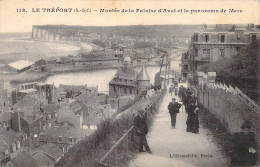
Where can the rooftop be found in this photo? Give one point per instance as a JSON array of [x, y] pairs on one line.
[[50, 108], [143, 75], [23, 159], [27, 101], [129, 75], [21, 64], [28, 90], [67, 132], [88, 99], [43, 159], [5, 116], [94, 119], [30, 118], [9, 137], [50, 149], [73, 87]]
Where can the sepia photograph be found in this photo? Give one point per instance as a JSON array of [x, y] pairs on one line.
[[129, 83]]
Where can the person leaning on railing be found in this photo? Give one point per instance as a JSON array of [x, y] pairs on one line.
[[141, 130]]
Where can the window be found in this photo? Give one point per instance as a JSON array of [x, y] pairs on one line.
[[238, 50], [60, 138], [70, 139], [196, 52], [131, 91], [206, 53], [125, 90], [221, 53], [186, 67], [238, 36], [222, 38], [253, 37], [206, 38]]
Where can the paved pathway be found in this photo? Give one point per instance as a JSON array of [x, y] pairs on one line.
[[169, 144]]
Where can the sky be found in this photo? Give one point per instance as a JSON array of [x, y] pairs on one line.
[[14, 19]]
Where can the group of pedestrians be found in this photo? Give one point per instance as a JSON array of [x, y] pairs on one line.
[[244, 143], [190, 105]]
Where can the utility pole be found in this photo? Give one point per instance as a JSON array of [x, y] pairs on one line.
[[165, 72], [169, 68]]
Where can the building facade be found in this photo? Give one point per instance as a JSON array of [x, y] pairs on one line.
[[217, 42], [127, 81]]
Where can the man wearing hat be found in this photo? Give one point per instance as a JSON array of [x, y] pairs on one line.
[[141, 130], [244, 152], [173, 108]]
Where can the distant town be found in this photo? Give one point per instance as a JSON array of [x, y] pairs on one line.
[[40, 122]]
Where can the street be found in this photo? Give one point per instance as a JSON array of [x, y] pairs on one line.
[[176, 147]]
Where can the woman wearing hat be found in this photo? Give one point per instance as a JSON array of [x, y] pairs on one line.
[[244, 152]]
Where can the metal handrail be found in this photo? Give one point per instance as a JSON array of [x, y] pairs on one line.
[[116, 144], [125, 135]]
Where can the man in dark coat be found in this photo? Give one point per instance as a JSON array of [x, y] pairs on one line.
[[244, 152], [141, 131], [173, 108]]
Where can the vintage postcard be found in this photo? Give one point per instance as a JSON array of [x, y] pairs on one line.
[[117, 83]]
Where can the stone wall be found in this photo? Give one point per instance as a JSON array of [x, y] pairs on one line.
[[231, 109]]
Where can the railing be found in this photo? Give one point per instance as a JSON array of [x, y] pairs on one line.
[[249, 102], [125, 107], [119, 152]]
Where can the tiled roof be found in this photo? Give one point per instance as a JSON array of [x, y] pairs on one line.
[[88, 99], [130, 74], [43, 159], [5, 116], [67, 132], [65, 110], [3, 147], [9, 137], [23, 159], [93, 119], [30, 118], [50, 149], [50, 108], [27, 101], [143, 75]]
